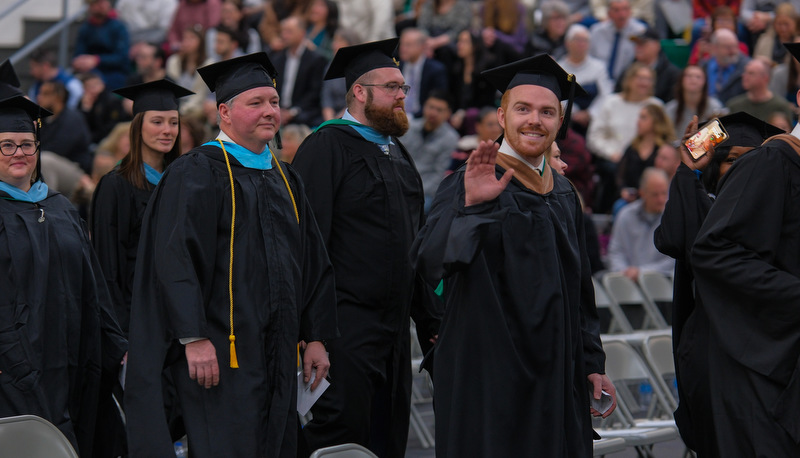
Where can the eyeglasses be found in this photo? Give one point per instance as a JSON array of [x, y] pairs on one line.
[[9, 148], [392, 88]]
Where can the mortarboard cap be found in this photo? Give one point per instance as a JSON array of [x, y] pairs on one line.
[[353, 61], [542, 71], [746, 130], [234, 76], [794, 49], [160, 95], [9, 83], [18, 114]]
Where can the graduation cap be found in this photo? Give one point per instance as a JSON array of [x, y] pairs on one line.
[[18, 114], [794, 49], [9, 83], [160, 95], [234, 76], [745, 129], [542, 71], [353, 61]]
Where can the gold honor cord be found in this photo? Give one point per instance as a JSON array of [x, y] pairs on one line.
[[234, 362]]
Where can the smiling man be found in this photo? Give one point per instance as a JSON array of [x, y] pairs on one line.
[[519, 352], [227, 282]]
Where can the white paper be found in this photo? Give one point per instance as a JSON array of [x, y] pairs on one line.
[[305, 397]]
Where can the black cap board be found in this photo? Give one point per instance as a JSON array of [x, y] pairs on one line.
[[540, 70], [233, 76], [18, 114], [745, 129], [794, 49], [9, 83], [160, 95], [353, 61]]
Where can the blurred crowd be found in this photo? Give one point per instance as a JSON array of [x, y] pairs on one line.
[[648, 67]]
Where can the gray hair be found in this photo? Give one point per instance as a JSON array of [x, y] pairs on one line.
[[575, 29], [552, 8]]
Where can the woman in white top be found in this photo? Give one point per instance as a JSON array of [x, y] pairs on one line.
[[613, 124]]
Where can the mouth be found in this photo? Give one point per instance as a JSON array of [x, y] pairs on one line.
[[535, 135]]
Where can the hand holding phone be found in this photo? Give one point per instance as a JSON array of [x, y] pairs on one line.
[[711, 135]]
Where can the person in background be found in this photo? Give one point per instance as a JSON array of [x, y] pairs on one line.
[[503, 220], [333, 94], [201, 14], [44, 67], [506, 18], [725, 66], [649, 52], [610, 39], [722, 17], [631, 249], [691, 196], [323, 22], [181, 67], [692, 99], [111, 149], [58, 332], [422, 74], [444, 20], [102, 45], [232, 17], [549, 39], [782, 30], [228, 217], [67, 133], [486, 129], [590, 71], [292, 137], [147, 22], [758, 100], [668, 158], [430, 140]]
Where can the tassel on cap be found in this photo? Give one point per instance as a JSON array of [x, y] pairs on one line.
[[562, 133]]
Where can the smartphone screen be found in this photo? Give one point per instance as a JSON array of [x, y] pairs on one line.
[[711, 135]]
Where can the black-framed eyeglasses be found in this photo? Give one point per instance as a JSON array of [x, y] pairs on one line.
[[392, 88], [9, 148]]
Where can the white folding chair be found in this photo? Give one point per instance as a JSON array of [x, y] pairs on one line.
[[657, 288], [419, 382], [624, 291], [29, 436], [658, 354], [624, 366], [618, 318], [343, 451], [610, 445]]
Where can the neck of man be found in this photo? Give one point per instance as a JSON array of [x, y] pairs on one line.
[[253, 147]]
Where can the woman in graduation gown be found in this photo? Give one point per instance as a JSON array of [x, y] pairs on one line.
[[121, 196], [57, 326], [690, 199], [116, 218]]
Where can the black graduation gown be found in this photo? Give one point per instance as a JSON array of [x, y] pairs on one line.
[[746, 261], [520, 332], [116, 222], [369, 206], [57, 329], [283, 292], [683, 215]]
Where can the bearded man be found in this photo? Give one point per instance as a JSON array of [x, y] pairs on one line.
[[367, 197]]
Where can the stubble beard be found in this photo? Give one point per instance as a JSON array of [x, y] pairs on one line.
[[386, 120]]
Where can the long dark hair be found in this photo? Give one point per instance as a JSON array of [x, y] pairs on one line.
[[679, 96], [132, 166]]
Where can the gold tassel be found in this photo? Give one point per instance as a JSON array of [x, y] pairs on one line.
[[234, 361]]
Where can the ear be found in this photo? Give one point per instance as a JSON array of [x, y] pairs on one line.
[[501, 118], [224, 112], [360, 92]]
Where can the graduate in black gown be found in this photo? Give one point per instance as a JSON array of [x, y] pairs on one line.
[[57, 326], [690, 198], [746, 262], [519, 351], [367, 197], [119, 202], [231, 274], [121, 196]]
